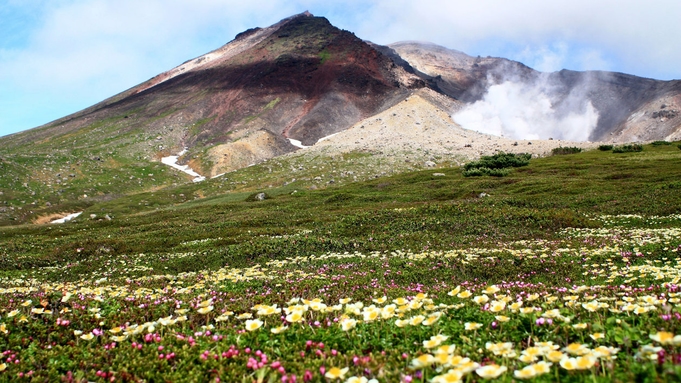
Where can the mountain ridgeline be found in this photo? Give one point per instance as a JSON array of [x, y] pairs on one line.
[[269, 92]]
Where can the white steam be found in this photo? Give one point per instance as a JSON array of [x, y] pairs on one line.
[[519, 110]]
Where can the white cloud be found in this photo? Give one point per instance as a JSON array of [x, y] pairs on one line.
[[640, 36], [525, 111]]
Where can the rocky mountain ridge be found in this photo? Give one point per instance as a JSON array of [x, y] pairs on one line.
[[299, 90]]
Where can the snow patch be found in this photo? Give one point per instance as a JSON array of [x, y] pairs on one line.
[[297, 143], [326, 138], [172, 162], [67, 218]]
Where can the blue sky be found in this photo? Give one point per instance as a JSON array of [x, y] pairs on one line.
[[60, 56]]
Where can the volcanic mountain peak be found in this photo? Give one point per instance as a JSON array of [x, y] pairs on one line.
[[241, 42]]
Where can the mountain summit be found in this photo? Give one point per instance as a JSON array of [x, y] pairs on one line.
[[271, 91]]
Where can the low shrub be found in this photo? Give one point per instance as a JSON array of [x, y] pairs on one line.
[[628, 148], [679, 146], [605, 148], [500, 161], [660, 143], [565, 150]]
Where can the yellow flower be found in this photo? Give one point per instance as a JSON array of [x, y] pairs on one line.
[[432, 343], [502, 318], [576, 349], [446, 349], [455, 291], [89, 336], [591, 306], [579, 326], [464, 294], [467, 366], [491, 290], [401, 322], [371, 314], [343, 300], [12, 313], [579, 363], [432, 318], [555, 356], [526, 358], [497, 306], [181, 311], [336, 373], [525, 373], [348, 324], [380, 300], [532, 297], [27, 303], [490, 371], [278, 330], [416, 320], [252, 325], [206, 303], [244, 316], [268, 310], [541, 367], [356, 379], [527, 310], [205, 310], [3, 328], [451, 376], [294, 317], [115, 330], [119, 338], [515, 306], [472, 326], [597, 335], [422, 361], [481, 299], [662, 337], [3, 367], [400, 301]]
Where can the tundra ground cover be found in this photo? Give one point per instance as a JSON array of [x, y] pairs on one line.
[[513, 286]]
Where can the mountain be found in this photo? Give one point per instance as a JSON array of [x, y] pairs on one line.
[[270, 92], [629, 108]]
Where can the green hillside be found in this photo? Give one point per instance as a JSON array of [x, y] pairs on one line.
[[595, 235]]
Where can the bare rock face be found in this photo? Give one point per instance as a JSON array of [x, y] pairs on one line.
[[301, 79], [629, 108]]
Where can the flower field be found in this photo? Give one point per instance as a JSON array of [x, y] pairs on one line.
[[593, 304], [567, 270]]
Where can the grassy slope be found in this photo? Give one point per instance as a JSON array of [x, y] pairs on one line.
[[132, 270], [412, 211]]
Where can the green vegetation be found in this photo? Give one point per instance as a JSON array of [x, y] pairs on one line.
[[660, 143], [324, 56], [605, 148], [627, 148], [566, 150], [568, 260], [497, 165]]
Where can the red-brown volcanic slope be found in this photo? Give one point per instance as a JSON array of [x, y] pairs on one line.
[[301, 78]]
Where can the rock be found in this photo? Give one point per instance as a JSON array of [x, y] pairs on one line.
[[313, 187], [430, 164], [483, 195], [438, 174], [107, 217], [93, 216], [260, 197]]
